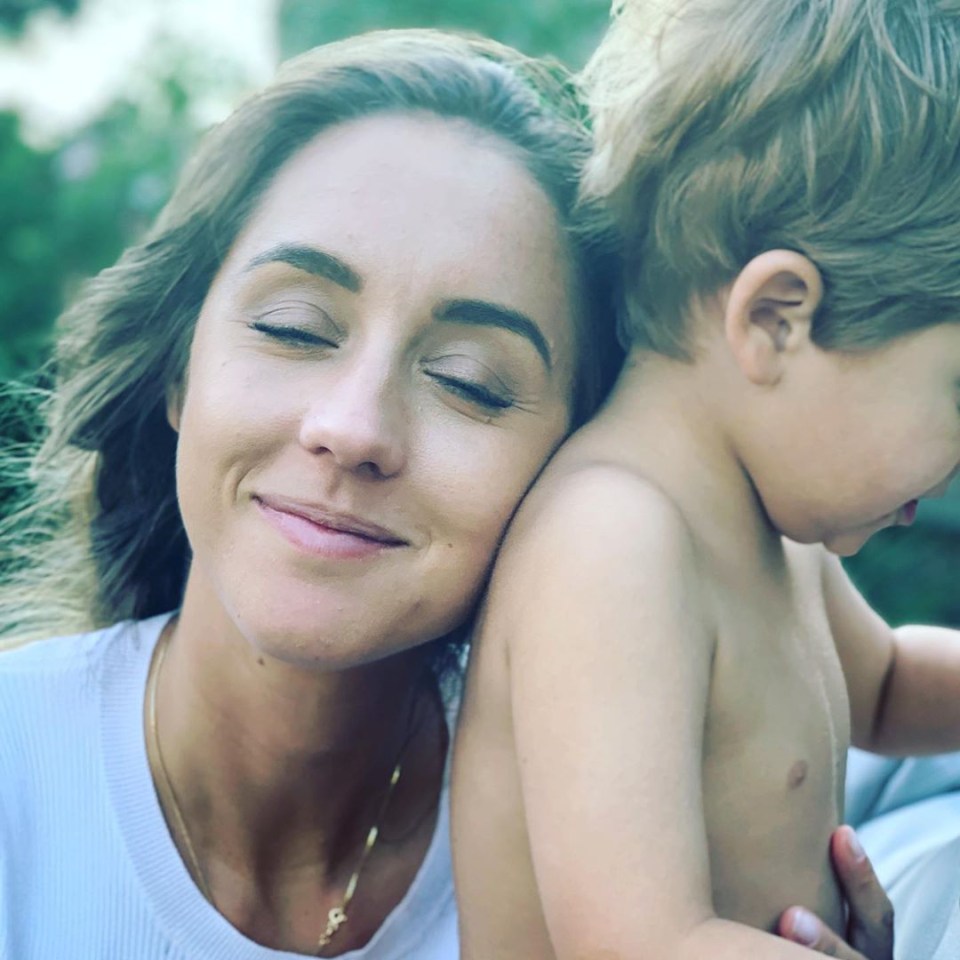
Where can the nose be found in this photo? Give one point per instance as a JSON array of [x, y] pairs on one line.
[[356, 419]]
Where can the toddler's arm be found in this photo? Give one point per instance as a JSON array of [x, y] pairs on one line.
[[904, 683]]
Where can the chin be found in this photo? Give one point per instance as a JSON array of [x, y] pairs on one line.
[[847, 544], [334, 640], [325, 648], [843, 550], [811, 530]]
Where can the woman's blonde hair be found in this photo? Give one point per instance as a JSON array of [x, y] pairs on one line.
[[830, 127], [99, 538]]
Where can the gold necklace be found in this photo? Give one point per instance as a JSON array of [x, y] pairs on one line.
[[336, 916], [181, 826]]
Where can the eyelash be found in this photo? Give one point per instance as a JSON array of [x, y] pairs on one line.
[[472, 392], [296, 336]]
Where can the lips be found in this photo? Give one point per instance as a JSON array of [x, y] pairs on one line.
[[319, 529], [907, 513]]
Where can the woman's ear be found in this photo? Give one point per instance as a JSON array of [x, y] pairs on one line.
[[769, 312], [174, 404]]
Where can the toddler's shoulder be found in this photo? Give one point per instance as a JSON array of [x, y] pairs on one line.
[[599, 499], [599, 551], [599, 530]]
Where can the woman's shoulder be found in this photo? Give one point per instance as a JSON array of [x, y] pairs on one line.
[[44, 686], [51, 695], [65, 740], [65, 657], [53, 655]]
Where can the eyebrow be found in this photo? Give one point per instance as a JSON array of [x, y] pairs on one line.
[[311, 260], [479, 313], [483, 314]]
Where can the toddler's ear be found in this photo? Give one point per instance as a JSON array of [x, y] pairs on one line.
[[769, 310]]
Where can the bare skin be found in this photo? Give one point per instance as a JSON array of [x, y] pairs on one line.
[[650, 759], [279, 890], [869, 933]]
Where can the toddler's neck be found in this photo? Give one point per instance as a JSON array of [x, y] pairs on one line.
[[667, 420]]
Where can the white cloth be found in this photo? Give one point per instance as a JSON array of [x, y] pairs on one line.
[[87, 866], [907, 813]]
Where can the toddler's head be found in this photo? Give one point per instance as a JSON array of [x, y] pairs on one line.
[[828, 127], [785, 175]]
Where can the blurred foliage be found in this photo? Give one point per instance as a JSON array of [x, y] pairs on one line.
[[15, 13], [27, 297], [67, 212], [910, 575], [568, 29]]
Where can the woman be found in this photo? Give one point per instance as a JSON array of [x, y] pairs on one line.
[[907, 812], [300, 414]]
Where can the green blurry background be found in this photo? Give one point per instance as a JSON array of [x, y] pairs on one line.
[[71, 197]]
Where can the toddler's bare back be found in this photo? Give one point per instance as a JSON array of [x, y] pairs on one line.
[[764, 792]]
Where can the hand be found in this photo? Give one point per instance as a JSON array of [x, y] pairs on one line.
[[870, 926]]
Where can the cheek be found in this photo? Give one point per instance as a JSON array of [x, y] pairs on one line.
[[231, 407], [470, 509], [486, 481], [225, 428]]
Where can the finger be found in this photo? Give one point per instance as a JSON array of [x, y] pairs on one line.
[[803, 928], [870, 928]]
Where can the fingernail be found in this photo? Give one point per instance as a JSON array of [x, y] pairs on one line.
[[806, 930], [855, 847]]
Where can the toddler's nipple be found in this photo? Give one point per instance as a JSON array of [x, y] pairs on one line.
[[797, 774]]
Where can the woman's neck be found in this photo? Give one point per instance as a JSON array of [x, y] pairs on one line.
[[278, 769]]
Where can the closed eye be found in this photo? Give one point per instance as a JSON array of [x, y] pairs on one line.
[[297, 336], [474, 393]]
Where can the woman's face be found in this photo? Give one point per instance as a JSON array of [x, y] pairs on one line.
[[379, 370]]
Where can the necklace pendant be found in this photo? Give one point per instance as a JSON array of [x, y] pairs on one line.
[[336, 918]]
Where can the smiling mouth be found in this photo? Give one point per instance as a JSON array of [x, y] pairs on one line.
[[316, 530]]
